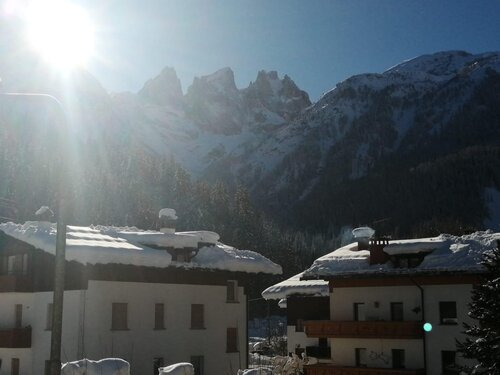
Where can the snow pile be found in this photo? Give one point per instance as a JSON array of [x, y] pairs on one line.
[[129, 245], [168, 213], [228, 258], [447, 253], [256, 371], [363, 232], [294, 285], [182, 368]]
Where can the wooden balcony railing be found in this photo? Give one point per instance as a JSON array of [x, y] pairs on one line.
[[364, 329], [16, 283], [15, 338], [326, 369]]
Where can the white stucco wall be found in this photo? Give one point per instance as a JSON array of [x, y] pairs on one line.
[[342, 300], [87, 326], [178, 342], [378, 352]]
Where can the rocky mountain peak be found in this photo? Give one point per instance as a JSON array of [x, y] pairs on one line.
[[281, 96], [165, 89]]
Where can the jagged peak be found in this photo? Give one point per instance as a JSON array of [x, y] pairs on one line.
[[164, 88], [222, 78]]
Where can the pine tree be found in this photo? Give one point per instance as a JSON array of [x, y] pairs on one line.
[[483, 343]]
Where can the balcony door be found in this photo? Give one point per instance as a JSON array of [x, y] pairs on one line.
[[359, 311], [397, 311]]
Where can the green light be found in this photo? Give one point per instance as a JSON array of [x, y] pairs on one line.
[[427, 327]]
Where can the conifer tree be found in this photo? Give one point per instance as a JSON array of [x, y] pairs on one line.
[[483, 343]]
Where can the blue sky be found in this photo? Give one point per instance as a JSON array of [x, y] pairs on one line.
[[316, 42]]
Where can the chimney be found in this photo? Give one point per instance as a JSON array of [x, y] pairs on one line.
[[363, 235], [377, 254], [168, 218]]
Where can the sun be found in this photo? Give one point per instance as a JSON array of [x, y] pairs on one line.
[[61, 32]]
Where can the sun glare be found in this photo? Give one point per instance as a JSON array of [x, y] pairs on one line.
[[61, 32]]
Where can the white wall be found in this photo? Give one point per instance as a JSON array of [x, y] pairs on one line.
[[379, 352], [24, 355], [178, 342], [342, 300], [7, 309]]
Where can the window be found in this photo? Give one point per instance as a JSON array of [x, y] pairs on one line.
[[157, 363], [48, 322], [197, 316], [232, 340], [398, 358], [448, 312], [359, 311], [159, 316], [232, 291], [448, 362], [360, 357], [47, 367], [119, 316], [299, 325], [397, 311], [19, 316], [14, 366], [197, 362], [17, 264]]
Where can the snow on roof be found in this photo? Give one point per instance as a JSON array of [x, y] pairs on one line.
[[43, 210], [294, 285], [129, 245], [413, 246], [228, 258], [450, 254]]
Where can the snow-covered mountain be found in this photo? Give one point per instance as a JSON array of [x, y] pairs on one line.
[[353, 157]]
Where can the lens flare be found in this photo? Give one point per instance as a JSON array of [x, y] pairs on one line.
[[61, 32]]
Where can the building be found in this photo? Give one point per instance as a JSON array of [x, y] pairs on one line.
[[152, 298], [382, 292], [303, 300]]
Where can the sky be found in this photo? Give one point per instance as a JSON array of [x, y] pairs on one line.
[[318, 43]]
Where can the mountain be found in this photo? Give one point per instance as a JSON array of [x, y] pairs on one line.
[[413, 150]]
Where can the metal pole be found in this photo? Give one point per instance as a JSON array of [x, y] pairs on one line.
[[59, 266]]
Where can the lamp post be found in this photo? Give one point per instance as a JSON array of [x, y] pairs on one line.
[[59, 268]]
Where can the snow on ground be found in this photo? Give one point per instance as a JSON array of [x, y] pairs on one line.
[[447, 253], [294, 285], [104, 245]]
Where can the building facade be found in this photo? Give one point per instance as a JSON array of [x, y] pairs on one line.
[[148, 297], [397, 307]]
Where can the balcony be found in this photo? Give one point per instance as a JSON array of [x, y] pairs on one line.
[[364, 329], [15, 338], [15, 283], [321, 352], [325, 369]]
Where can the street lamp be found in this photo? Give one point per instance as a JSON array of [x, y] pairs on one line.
[[59, 269]]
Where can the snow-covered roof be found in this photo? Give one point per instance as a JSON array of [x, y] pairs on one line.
[[294, 285], [363, 232], [446, 253], [129, 245]]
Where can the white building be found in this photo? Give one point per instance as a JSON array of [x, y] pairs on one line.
[[303, 300], [381, 294], [152, 298]]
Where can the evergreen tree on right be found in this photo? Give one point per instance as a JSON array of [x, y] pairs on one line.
[[483, 343]]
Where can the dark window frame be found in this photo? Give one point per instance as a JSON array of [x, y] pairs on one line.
[[198, 316], [398, 358], [159, 323], [232, 291], [198, 362], [448, 313], [395, 313], [232, 340], [119, 316]]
